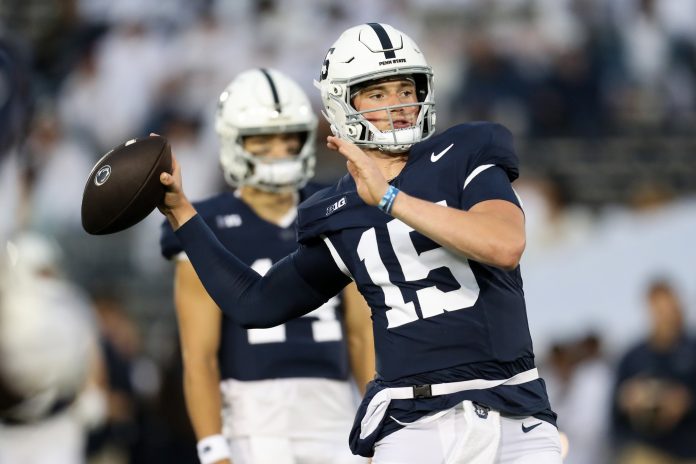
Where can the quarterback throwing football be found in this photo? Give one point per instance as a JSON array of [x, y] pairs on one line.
[[429, 228]]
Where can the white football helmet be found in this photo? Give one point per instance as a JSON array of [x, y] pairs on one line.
[[265, 101], [46, 332], [372, 52]]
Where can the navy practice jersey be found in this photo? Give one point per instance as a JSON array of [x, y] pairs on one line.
[[311, 346], [431, 308], [438, 317]]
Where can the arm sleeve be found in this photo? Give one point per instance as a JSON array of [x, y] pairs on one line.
[[498, 149], [169, 244], [489, 183], [295, 285]]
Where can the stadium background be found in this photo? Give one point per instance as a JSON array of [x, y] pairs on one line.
[[600, 94]]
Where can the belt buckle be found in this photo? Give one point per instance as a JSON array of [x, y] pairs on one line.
[[422, 391]]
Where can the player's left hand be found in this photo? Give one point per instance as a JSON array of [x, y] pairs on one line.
[[369, 180]]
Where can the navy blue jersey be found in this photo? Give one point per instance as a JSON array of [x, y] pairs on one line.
[[438, 317], [310, 346]]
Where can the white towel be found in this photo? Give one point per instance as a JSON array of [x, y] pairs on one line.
[[478, 435]]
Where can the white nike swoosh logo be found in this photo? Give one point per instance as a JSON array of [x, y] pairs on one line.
[[434, 157]]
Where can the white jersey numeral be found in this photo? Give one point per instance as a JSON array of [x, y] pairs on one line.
[[326, 328], [399, 312], [414, 266]]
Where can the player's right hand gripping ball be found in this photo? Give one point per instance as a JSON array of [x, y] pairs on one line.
[[124, 187]]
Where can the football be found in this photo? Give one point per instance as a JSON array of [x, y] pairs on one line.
[[123, 187]]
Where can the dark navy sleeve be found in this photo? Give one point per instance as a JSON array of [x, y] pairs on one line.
[[294, 286], [490, 184], [498, 149], [169, 244]]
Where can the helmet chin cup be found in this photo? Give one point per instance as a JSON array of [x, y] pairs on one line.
[[279, 175]]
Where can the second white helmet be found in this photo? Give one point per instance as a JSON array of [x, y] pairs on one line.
[[371, 52], [265, 101]]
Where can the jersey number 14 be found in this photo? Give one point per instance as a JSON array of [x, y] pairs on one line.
[[325, 325]]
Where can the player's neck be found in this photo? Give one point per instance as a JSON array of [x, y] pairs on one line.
[[390, 164], [269, 206]]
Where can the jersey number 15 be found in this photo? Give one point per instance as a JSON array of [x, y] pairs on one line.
[[414, 266]]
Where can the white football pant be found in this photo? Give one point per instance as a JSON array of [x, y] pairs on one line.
[[270, 450], [289, 421], [469, 434]]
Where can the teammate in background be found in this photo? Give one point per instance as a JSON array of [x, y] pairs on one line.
[[283, 391], [654, 397], [50, 362], [431, 231]]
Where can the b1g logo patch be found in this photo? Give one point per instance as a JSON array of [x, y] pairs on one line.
[[339, 204], [102, 175]]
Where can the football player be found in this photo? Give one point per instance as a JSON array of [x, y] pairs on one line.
[[283, 391], [52, 382], [429, 228]]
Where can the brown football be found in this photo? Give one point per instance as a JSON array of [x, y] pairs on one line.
[[123, 187]]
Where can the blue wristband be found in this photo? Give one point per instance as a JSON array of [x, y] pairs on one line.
[[387, 201]]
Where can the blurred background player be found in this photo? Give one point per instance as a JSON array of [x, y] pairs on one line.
[[438, 265], [654, 402], [51, 370], [284, 390]]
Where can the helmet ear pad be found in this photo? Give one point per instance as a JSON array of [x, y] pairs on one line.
[[260, 102], [421, 82], [362, 55]]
